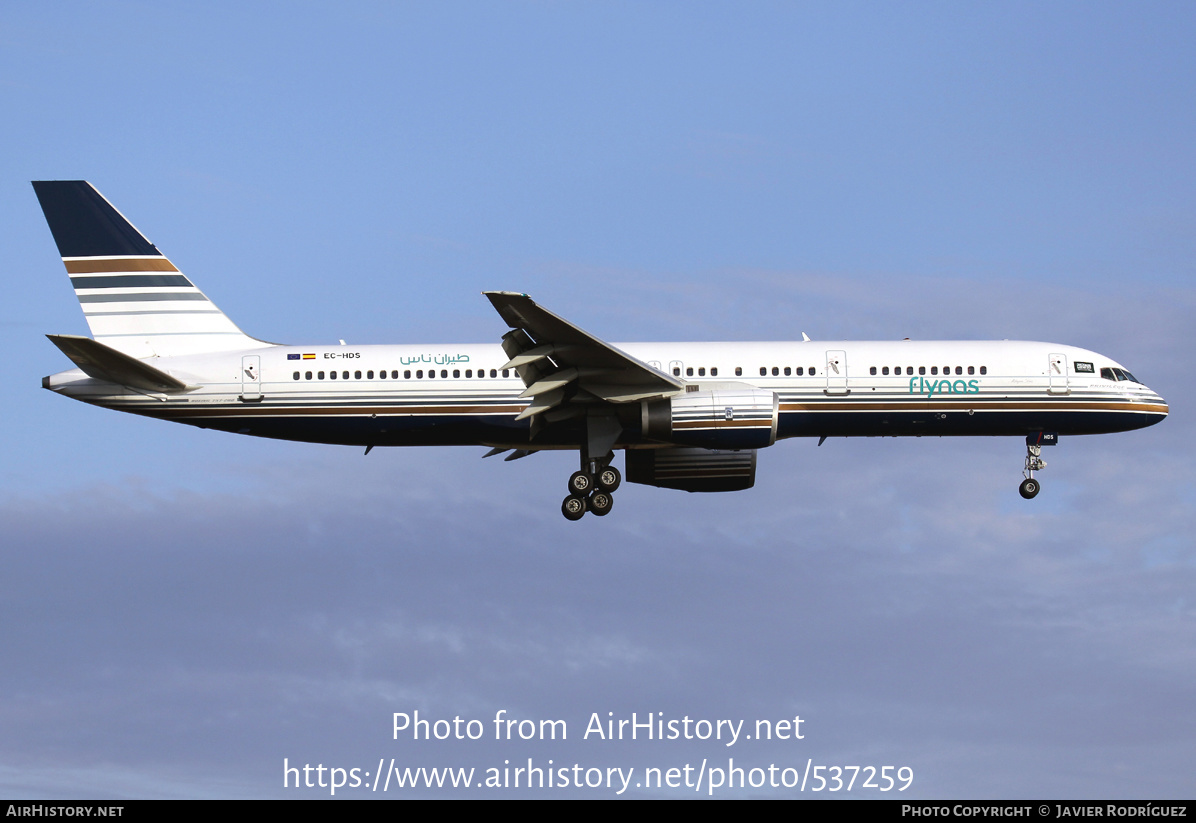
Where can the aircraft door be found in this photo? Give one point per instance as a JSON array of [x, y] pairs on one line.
[[1057, 374], [836, 372], [251, 377]]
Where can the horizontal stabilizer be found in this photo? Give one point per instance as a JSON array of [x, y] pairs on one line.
[[107, 364]]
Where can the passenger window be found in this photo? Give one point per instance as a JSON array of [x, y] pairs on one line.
[[984, 369], [506, 372], [959, 369], [296, 375], [787, 370], [775, 372], [494, 372], [456, 372], [407, 374], [320, 375], [799, 370], [356, 375], [739, 371], [885, 370], [971, 369], [676, 371], [689, 372], [419, 374], [369, 375], [701, 371], [307, 375], [331, 375], [872, 370], [921, 370], [934, 369], [763, 371], [469, 372], [714, 371], [909, 370]]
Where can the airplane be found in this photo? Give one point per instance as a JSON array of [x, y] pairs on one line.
[[689, 416]]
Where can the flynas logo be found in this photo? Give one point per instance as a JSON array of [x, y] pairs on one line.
[[920, 385]]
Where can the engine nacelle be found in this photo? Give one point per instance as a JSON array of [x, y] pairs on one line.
[[723, 418], [692, 470]]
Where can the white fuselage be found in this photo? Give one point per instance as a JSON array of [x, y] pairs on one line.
[[459, 394]]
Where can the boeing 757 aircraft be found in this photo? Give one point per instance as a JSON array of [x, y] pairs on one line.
[[690, 416]]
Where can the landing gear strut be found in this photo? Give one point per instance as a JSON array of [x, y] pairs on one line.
[[1030, 487]]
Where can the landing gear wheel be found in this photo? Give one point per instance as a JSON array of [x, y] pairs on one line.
[[574, 507], [609, 479], [1029, 488], [601, 503], [580, 483]]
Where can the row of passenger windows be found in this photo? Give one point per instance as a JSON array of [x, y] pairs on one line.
[[394, 375], [933, 370], [776, 371]]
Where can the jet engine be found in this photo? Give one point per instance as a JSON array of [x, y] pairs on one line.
[[733, 417]]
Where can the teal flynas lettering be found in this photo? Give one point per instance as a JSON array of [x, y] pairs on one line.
[[920, 385]]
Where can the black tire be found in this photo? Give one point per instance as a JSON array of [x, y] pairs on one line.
[[574, 507], [580, 483], [609, 479], [1029, 488], [601, 503]]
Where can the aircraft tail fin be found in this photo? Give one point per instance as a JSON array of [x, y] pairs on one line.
[[133, 297]]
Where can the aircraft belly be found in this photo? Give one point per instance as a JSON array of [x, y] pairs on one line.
[[959, 421], [364, 430]]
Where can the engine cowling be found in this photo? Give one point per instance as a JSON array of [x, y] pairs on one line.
[[721, 418], [692, 470]]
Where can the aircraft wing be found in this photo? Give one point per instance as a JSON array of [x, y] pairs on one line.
[[562, 366]]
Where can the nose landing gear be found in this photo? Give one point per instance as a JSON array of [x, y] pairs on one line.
[[1030, 487]]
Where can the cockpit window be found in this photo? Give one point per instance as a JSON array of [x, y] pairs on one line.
[[1117, 374]]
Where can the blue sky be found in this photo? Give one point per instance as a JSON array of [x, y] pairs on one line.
[[187, 608]]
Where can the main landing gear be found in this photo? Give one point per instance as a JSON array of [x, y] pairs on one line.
[[592, 489], [1030, 487]]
